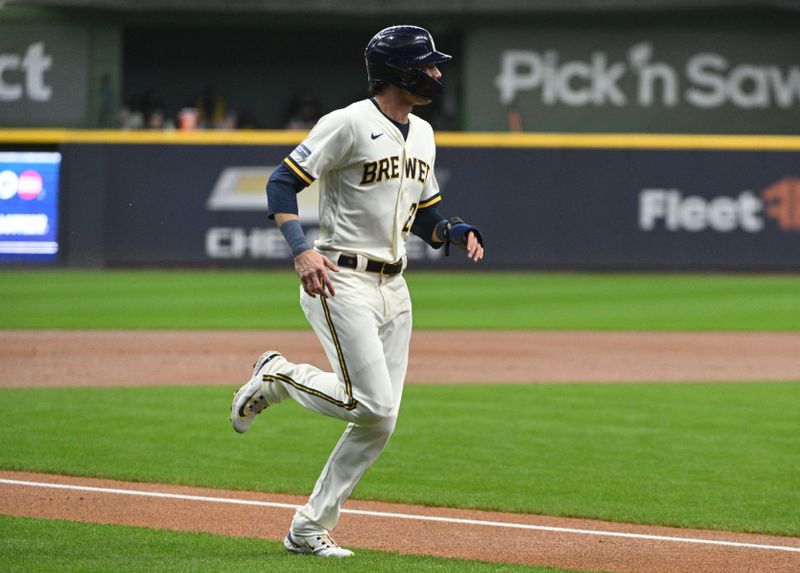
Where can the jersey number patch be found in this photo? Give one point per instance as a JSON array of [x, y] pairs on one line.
[[407, 226]]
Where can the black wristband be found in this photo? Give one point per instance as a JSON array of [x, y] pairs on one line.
[[443, 231], [443, 228]]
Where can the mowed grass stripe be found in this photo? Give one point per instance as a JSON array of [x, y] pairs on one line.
[[483, 300], [714, 456], [53, 546]]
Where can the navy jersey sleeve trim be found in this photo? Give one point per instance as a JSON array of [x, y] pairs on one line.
[[429, 202], [299, 171]]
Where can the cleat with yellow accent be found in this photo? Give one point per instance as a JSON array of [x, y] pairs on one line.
[[249, 401]]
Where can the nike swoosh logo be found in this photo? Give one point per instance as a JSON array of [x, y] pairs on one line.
[[373, 136]]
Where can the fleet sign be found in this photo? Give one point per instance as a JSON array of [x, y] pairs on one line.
[[674, 212]]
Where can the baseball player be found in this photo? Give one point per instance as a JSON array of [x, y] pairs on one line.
[[374, 161]]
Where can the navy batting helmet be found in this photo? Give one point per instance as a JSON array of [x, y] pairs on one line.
[[394, 55]]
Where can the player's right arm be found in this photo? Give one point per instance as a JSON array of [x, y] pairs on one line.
[[326, 146], [310, 265]]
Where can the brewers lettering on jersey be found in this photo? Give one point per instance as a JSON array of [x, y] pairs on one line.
[[374, 161], [389, 168]]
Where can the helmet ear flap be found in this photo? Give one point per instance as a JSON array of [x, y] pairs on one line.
[[407, 77]]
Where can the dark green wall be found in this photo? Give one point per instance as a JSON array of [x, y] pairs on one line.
[[257, 61], [85, 44]]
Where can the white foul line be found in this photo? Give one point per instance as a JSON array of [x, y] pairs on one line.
[[457, 520]]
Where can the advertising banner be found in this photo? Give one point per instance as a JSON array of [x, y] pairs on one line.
[[536, 207], [202, 204], [633, 79], [29, 206], [43, 75], [631, 208]]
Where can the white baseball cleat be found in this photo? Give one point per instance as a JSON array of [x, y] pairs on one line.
[[320, 545], [249, 401]]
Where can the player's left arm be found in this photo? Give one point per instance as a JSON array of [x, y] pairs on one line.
[[439, 231]]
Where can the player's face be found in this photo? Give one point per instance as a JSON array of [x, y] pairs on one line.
[[432, 71]]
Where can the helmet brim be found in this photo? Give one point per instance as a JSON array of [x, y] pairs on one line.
[[433, 58]]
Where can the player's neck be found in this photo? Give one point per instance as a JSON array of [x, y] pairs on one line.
[[394, 105]]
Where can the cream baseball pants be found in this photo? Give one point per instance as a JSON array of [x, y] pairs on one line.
[[365, 330]]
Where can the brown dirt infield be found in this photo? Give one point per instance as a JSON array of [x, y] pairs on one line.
[[67, 358], [125, 358]]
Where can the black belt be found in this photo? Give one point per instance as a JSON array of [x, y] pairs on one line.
[[351, 262]]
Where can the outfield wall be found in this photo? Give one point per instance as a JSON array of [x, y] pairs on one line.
[[542, 201]]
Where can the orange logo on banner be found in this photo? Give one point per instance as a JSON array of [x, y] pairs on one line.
[[782, 202]]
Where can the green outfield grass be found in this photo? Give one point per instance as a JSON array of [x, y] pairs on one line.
[[269, 300], [717, 456], [44, 546]]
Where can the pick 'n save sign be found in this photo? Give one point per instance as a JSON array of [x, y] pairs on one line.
[[650, 80]]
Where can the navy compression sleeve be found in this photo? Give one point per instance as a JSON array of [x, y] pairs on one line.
[[425, 222], [295, 238], [282, 189]]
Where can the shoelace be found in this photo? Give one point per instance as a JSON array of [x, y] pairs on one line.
[[326, 541]]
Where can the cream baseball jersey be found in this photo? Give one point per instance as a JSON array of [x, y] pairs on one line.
[[371, 179]]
